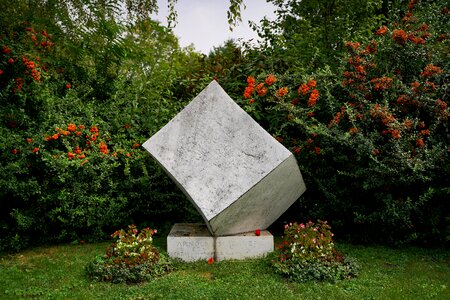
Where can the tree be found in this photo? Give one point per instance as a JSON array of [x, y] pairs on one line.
[[310, 33]]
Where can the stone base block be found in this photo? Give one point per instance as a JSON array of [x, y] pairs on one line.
[[191, 242]]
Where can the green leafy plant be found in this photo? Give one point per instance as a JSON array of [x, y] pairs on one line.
[[307, 252], [60, 181], [371, 138], [131, 258]]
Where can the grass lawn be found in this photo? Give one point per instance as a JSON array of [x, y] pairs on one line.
[[57, 272]]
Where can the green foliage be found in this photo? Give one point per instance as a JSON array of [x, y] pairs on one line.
[[308, 34], [60, 181], [307, 252], [81, 63], [371, 139], [132, 258]]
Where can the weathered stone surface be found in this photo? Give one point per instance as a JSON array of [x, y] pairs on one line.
[[192, 242], [244, 245], [235, 173]]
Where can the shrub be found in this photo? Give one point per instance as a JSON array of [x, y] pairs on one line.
[[60, 181], [307, 252], [131, 258], [371, 140]]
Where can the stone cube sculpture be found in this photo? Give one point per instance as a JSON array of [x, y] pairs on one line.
[[235, 173]]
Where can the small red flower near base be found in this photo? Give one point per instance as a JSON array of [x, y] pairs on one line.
[[210, 260], [257, 232]]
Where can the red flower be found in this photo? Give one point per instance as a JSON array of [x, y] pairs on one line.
[[14, 151], [420, 143], [29, 141], [313, 98], [251, 80], [399, 36], [376, 152], [431, 70], [72, 127], [257, 232], [303, 89], [262, 92], [70, 155], [353, 130], [94, 129], [317, 150], [35, 150], [425, 132], [361, 70], [381, 31], [271, 79], [77, 150], [135, 145], [68, 86], [441, 104], [408, 123], [282, 92], [415, 86], [395, 134], [416, 40], [297, 150], [36, 75], [382, 83], [248, 91], [352, 45], [11, 61], [411, 4], [402, 99], [19, 83], [6, 50], [55, 136], [1, 72], [103, 148], [210, 260], [251, 101], [336, 119], [312, 83]]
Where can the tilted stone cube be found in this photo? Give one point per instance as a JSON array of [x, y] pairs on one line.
[[235, 173]]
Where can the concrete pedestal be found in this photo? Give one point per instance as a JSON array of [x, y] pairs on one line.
[[191, 242]]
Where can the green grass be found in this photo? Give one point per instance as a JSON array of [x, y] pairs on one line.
[[57, 272]]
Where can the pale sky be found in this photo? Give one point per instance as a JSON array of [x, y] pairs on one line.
[[203, 23]]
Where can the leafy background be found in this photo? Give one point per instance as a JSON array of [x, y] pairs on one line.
[[83, 63]]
